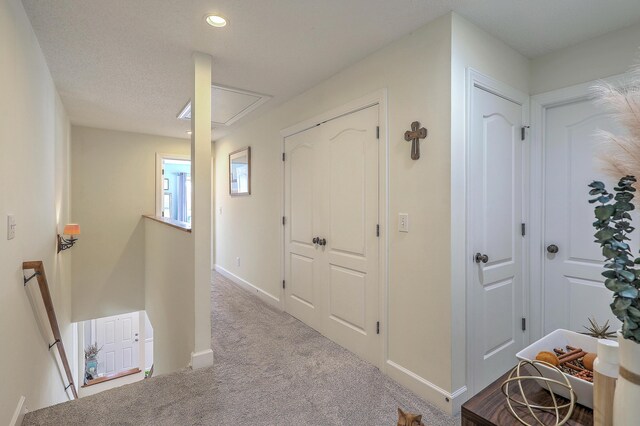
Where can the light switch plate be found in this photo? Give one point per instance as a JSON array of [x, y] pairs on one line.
[[11, 227], [403, 222]]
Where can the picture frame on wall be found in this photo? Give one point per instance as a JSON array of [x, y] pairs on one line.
[[240, 172]]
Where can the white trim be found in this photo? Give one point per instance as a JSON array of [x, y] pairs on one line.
[[201, 359], [380, 98], [159, 178], [425, 389], [539, 104], [246, 285], [477, 79], [375, 98], [18, 414]]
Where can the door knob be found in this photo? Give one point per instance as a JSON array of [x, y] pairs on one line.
[[315, 240], [552, 249], [322, 242], [479, 257]]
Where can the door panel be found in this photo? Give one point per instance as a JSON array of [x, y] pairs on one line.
[[346, 195], [334, 287], [573, 286], [347, 298], [302, 292], [495, 206]]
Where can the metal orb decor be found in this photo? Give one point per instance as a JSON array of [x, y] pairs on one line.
[[515, 380]]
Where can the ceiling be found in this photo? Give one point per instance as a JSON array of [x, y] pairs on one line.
[[126, 65]]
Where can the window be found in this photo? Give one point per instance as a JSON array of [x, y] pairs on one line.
[[173, 196]]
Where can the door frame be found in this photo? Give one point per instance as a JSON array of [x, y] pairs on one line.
[[379, 98], [498, 88], [159, 192], [539, 105]]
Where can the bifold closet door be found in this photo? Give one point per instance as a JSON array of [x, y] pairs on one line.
[[331, 194]]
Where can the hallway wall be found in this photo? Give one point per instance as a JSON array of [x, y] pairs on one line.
[[34, 186], [416, 72], [113, 183], [610, 54]]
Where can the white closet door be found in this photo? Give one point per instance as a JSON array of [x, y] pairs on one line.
[[495, 191], [303, 184], [573, 286], [350, 216], [331, 195]]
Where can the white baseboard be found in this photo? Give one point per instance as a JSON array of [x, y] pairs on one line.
[[201, 359], [267, 297], [450, 402], [18, 415]]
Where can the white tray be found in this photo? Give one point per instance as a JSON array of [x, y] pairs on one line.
[[560, 339]]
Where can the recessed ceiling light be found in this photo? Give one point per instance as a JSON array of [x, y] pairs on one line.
[[216, 21]]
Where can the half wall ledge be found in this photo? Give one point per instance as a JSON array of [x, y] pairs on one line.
[[183, 226]]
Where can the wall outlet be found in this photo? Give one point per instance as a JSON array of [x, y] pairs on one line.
[[237, 261], [403, 222], [11, 227]]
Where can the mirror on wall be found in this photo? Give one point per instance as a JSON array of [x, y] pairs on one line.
[[240, 172]]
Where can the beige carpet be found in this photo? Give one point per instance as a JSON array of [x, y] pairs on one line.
[[270, 369]]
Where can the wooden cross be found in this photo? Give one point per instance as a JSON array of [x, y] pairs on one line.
[[414, 135]]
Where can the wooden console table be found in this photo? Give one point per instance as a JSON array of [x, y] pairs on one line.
[[489, 407]]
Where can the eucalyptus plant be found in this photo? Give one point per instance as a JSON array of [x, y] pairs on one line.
[[613, 224]]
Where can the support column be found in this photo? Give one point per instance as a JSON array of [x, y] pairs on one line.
[[202, 355]]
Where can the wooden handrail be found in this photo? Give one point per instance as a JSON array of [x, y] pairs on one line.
[[38, 267]]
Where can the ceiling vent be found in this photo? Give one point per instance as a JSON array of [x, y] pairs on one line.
[[228, 105]]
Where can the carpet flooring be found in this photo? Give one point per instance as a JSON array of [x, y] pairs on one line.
[[269, 369]]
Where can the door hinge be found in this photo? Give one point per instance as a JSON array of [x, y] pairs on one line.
[[377, 132], [524, 324], [378, 327], [523, 130], [284, 220], [283, 285], [523, 229], [284, 156], [162, 172], [377, 230]]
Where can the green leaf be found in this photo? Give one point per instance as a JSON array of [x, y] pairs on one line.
[[605, 233], [634, 311], [604, 212], [629, 293], [627, 276]]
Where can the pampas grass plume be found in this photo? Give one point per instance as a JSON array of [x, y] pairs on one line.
[[620, 153]]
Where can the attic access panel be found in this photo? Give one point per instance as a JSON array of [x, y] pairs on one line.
[[228, 105]]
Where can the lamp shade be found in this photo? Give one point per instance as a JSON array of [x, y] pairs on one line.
[[71, 229]]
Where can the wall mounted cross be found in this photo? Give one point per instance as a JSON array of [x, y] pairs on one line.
[[414, 135]]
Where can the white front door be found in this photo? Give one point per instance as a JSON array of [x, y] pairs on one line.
[[118, 337], [495, 217], [573, 287], [331, 194]]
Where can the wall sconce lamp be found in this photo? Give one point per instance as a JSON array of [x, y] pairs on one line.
[[71, 230]]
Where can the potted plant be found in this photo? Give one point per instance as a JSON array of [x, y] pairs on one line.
[[91, 361], [613, 227]]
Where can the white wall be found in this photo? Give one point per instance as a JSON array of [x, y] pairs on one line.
[[170, 294], [416, 72], [607, 55], [34, 186], [113, 181], [473, 48]]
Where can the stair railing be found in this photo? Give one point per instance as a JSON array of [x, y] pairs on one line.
[[38, 269]]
